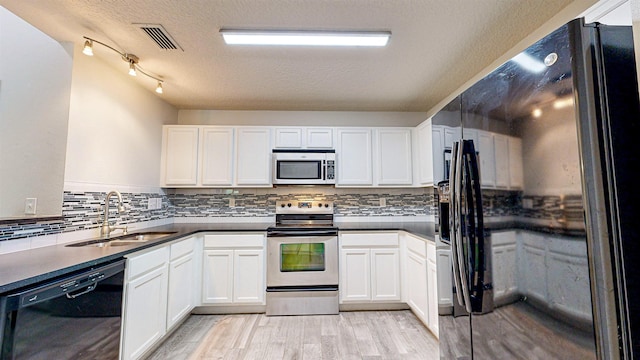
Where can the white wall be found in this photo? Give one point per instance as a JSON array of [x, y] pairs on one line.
[[299, 118], [115, 129], [35, 83]]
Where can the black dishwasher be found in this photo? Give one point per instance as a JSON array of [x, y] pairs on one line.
[[75, 317]]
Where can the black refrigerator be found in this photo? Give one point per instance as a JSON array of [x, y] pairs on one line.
[[543, 252]]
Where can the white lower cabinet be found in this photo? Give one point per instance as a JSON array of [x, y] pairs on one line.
[[159, 293], [432, 290], [145, 304], [503, 261], [421, 280], [369, 267], [182, 284], [234, 269]]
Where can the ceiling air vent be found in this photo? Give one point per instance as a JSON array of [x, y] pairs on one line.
[[160, 36]]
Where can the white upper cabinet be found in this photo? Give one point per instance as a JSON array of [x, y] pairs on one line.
[[516, 178], [319, 138], [426, 146], [289, 138], [303, 138], [487, 159], [217, 156], [354, 157], [393, 150], [501, 156], [180, 155], [437, 149], [253, 156]]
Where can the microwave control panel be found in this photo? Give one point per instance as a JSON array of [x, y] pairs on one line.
[[331, 170]]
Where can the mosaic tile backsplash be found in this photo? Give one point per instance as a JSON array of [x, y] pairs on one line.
[[83, 210]]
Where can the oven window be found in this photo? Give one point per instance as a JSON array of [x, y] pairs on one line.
[[302, 257], [302, 170]]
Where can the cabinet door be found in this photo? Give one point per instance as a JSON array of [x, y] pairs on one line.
[[501, 156], [487, 162], [145, 313], [180, 155], [504, 270], [181, 288], [445, 285], [426, 153], [450, 135], [355, 275], [516, 177], [568, 277], [217, 276], [533, 272], [437, 137], [248, 276], [289, 138], [417, 283], [385, 274], [319, 138], [253, 157], [217, 156], [354, 157], [394, 157], [432, 289]]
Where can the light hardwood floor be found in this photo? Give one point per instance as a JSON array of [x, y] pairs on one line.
[[349, 335]]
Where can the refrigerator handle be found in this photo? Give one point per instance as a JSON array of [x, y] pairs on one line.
[[476, 231], [457, 246], [453, 213]]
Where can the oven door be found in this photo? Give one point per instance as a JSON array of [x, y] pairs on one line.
[[302, 261]]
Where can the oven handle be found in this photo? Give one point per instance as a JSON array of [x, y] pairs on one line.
[[302, 288], [301, 233]]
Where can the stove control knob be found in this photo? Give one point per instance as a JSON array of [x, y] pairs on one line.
[[282, 205], [289, 204], [326, 205], [319, 205]]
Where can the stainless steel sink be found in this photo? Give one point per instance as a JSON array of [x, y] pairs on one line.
[[124, 240]]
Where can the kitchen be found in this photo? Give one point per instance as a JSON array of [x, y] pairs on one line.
[[105, 130]]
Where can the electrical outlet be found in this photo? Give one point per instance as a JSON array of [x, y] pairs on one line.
[[158, 203], [527, 203], [151, 204], [383, 202], [30, 206], [232, 202]]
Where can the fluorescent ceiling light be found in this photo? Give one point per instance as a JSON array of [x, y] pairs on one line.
[[529, 63], [304, 38]]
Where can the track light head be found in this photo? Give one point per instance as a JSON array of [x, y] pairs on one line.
[[159, 87], [88, 48]]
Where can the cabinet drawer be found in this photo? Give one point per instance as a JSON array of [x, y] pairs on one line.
[[140, 264], [369, 239], [234, 241], [182, 248]]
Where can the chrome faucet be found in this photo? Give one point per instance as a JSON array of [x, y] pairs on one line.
[[106, 229]]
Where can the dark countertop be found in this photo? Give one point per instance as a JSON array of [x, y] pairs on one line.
[[420, 228], [26, 268]]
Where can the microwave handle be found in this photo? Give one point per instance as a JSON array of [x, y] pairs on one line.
[[324, 170]]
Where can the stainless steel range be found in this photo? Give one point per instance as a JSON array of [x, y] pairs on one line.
[[302, 260]]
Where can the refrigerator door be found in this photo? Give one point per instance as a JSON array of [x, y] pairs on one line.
[[609, 111], [525, 253]]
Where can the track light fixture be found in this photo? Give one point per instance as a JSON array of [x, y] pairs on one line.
[[133, 60]]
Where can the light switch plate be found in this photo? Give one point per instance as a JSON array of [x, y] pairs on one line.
[[158, 203], [151, 203], [383, 202]]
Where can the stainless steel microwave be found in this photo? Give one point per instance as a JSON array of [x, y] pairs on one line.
[[304, 167]]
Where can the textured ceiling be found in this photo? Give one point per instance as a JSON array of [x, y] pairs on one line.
[[435, 48]]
